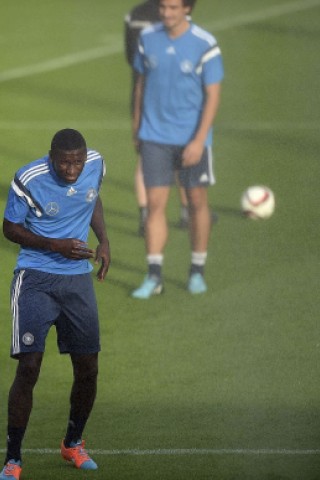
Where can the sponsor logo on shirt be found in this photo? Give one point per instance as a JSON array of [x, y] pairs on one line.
[[52, 208]]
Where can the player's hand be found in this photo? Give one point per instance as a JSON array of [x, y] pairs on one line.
[[192, 153], [71, 248], [103, 256]]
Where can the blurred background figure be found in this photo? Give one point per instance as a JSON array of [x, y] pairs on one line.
[[141, 16]]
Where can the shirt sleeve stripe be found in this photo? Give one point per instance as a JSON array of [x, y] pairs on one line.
[[21, 191], [212, 53], [33, 172]]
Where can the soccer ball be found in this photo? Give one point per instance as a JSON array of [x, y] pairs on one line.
[[257, 202]]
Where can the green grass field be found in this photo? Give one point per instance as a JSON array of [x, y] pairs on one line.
[[224, 386]]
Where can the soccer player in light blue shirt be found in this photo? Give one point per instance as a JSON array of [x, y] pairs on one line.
[[51, 205], [47, 205], [175, 97], [176, 100]]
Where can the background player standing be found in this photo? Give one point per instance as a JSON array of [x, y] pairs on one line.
[[176, 100], [140, 17], [51, 205]]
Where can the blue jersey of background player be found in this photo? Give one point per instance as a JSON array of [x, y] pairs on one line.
[[187, 64], [52, 203]]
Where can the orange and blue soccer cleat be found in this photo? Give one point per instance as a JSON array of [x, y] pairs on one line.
[[78, 456], [11, 470]]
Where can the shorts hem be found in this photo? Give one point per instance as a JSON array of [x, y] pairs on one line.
[[78, 352]]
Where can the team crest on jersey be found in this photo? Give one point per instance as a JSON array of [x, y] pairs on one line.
[[91, 195], [28, 339], [186, 66], [52, 209]]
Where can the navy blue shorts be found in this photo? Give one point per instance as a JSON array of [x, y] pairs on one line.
[[161, 162], [40, 300]]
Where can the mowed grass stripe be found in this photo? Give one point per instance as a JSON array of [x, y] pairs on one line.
[[183, 451], [117, 42], [126, 125]]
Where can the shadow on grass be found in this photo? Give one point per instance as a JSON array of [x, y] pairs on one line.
[[141, 270]]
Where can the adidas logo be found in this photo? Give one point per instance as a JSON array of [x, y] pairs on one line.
[[71, 192], [171, 50]]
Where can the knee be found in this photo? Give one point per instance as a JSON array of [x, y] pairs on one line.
[[195, 205], [92, 373], [86, 369], [29, 368], [155, 208], [87, 378], [197, 200]]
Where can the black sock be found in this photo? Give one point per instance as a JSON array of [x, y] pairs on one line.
[[14, 441], [74, 431], [154, 270], [196, 269], [184, 213], [143, 214]]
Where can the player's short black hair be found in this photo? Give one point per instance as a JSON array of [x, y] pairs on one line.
[[68, 139], [186, 3], [189, 3]]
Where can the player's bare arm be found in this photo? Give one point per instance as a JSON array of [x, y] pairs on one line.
[[102, 254], [193, 151], [72, 248], [138, 95]]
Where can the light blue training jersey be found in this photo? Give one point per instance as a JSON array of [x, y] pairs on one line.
[[176, 72], [49, 207]]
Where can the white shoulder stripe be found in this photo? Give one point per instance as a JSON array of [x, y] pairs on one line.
[[33, 172], [93, 155], [204, 35], [213, 52]]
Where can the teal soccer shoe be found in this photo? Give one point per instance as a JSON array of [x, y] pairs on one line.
[[196, 284], [150, 286]]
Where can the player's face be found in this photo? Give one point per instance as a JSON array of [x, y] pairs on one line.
[[68, 164], [173, 15]]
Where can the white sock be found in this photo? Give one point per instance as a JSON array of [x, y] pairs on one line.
[[155, 259], [198, 258]]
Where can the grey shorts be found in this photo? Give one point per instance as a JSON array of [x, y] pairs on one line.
[[40, 300], [161, 162]]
